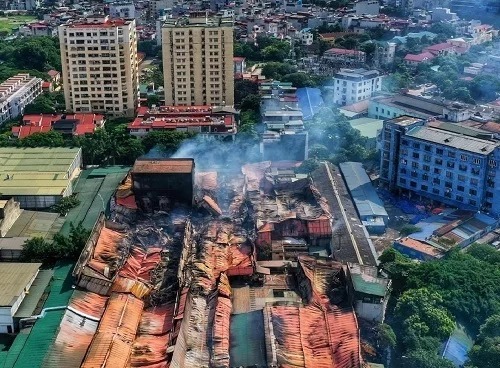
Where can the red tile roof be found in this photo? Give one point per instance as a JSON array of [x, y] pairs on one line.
[[424, 56], [53, 73], [34, 123]]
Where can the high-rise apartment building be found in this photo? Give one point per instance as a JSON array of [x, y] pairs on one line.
[[458, 166], [198, 61], [99, 65]]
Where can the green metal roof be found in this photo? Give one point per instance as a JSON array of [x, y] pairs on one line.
[[368, 287]]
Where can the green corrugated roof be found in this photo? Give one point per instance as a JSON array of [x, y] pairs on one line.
[[368, 287], [44, 331], [14, 351]]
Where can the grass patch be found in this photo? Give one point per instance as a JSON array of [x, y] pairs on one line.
[[7, 24]]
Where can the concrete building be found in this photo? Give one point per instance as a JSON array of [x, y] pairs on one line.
[[38, 177], [367, 7], [443, 14], [17, 92], [345, 57], [17, 279], [369, 292], [458, 169], [66, 124], [368, 204], [305, 37], [99, 65], [354, 85], [125, 10], [205, 120], [198, 61]]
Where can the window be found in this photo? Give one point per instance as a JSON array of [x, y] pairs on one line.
[[492, 163], [448, 184], [450, 164], [460, 188], [439, 151], [472, 202], [427, 148], [427, 158], [438, 161], [489, 195], [413, 184], [463, 157], [477, 161], [402, 171], [424, 187], [459, 198], [416, 155], [462, 167], [472, 192], [449, 175], [416, 145], [404, 142], [451, 154], [436, 181], [414, 165], [425, 177], [474, 182], [475, 171], [435, 190], [426, 168], [437, 171], [402, 180]]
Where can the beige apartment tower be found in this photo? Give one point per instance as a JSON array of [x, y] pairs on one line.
[[99, 65], [198, 61]]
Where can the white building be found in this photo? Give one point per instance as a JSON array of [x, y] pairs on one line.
[[17, 92], [371, 7], [443, 14], [24, 4], [125, 10], [100, 70], [305, 37], [354, 85], [17, 279]]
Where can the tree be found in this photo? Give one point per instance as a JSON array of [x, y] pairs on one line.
[[422, 359], [423, 313], [153, 100], [66, 204], [385, 336], [444, 29], [148, 47], [251, 102], [409, 229], [48, 139], [486, 350], [36, 250], [168, 141], [484, 253], [275, 70], [243, 88], [273, 53], [299, 79]]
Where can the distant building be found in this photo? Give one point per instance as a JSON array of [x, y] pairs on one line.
[[367, 7], [199, 119], [17, 279], [198, 61], [460, 169], [417, 59], [305, 37], [345, 57], [239, 66], [443, 14], [354, 85], [67, 124], [125, 10], [17, 92], [99, 66], [369, 292]]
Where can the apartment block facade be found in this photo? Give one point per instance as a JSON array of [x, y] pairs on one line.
[[17, 92], [198, 61], [99, 66], [354, 85], [456, 169]]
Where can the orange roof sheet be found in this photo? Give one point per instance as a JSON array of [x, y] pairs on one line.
[[315, 337], [122, 316], [105, 251]]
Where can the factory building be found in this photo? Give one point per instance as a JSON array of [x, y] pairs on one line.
[[158, 182]]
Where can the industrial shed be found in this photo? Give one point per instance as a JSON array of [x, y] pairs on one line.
[[370, 207], [38, 177]]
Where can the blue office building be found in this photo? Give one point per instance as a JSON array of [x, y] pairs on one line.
[[457, 167]]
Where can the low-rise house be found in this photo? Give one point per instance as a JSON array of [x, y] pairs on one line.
[[68, 124], [417, 59], [368, 291], [201, 119]]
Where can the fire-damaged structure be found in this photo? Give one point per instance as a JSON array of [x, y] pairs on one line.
[[160, 183], [163, 288], [290, 214]]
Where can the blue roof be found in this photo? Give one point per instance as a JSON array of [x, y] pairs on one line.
[[458, 346], [310, 101], [362, 191]]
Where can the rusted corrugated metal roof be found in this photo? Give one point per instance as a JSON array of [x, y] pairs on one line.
[[112, 344], [76, 330], [314, 337], [163, 166]]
